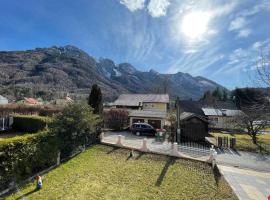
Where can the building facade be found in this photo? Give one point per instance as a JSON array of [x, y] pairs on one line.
[[3, 100], [147, 108]]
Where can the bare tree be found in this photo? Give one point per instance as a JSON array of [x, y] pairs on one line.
[[253, 122], [256, 112], [263, 68]]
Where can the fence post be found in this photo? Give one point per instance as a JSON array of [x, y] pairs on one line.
[[120, 140], [144, 146], [58, 161], [101, 136], [213, 156], [175, 151]]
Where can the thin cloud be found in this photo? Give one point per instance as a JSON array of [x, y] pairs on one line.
[[155, 8], [244, 33], [133, 5], [244, 59], [237, 24], [158, 8], [263, 5]]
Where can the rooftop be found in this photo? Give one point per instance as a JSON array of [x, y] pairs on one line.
[[188, 115], [221, 112], [147, 113], [136, 99]]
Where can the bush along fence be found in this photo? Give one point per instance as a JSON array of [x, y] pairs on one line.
[[23, 156], [29, 123]]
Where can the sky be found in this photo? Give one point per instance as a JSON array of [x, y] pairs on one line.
[[219, 39]]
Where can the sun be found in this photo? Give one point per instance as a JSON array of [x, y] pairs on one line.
[[195, 24]]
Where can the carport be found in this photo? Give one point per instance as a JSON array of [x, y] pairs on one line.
[[154, 118]]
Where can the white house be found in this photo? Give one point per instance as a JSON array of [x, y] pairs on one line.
[[3, 100], [148, 108]]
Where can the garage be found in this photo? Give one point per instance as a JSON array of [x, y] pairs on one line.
[[154, 118], [155, 123], [137, 120]]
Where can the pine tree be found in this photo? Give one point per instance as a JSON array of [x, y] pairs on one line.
[[95, 99], [217, 93], [225, 95]]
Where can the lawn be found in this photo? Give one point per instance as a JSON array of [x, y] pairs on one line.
[[104, 172], [9, 134], [244, 142]]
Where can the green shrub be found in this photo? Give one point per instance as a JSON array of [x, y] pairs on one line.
[[75, 127], [29, 123], [25, 155]]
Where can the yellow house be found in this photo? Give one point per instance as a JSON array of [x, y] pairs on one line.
[[147, 108]]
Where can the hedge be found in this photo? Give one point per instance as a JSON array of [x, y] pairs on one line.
[[25, 155], [29, 123]]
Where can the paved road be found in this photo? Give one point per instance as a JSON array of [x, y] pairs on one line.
[[247, 184], [134, 141], [242, 159]]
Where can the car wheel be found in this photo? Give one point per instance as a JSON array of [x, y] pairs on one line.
[[138, 133]]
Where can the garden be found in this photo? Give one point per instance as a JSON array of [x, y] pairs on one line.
[[244, 142], [44, 140], [104, 172]]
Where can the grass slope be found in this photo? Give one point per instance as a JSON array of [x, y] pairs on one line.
[[244, 142], [104, 172]]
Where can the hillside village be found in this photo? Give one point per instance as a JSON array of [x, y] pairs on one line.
[[201, 130], [135, 100]]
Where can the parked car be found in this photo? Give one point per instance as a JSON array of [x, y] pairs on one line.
[[143, 129]]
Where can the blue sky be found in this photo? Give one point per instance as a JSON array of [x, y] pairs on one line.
[[218, 39]]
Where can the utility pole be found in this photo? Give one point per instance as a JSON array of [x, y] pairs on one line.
[[178, 130]]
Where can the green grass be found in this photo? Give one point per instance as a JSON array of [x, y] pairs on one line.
[[104, 172], [244, 142]]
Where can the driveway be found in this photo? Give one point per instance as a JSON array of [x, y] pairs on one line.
[[247, 184], [243, 159], [133, 141]]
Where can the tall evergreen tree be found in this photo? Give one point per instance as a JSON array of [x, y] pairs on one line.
[[217, 93], [225, 95], [95, 99]]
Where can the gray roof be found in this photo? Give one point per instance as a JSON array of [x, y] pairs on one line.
[[188, 115], [136, 99], [221, 112], [147, 113]]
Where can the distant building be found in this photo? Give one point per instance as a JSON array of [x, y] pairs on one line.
[[148, 108], [193, 126], [220, 115], [3, 100], [30, 101], [222, 118]]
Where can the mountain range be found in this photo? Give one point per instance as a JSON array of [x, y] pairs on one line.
[[56, 70]]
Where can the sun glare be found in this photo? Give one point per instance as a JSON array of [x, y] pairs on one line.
[[195, 24]]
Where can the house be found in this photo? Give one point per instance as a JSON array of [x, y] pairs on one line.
[[220, 114], [30, 101], [148, 108], [222, 118], [3, 100], [193, 126]]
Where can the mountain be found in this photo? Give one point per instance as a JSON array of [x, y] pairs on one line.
[[50, 72]]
